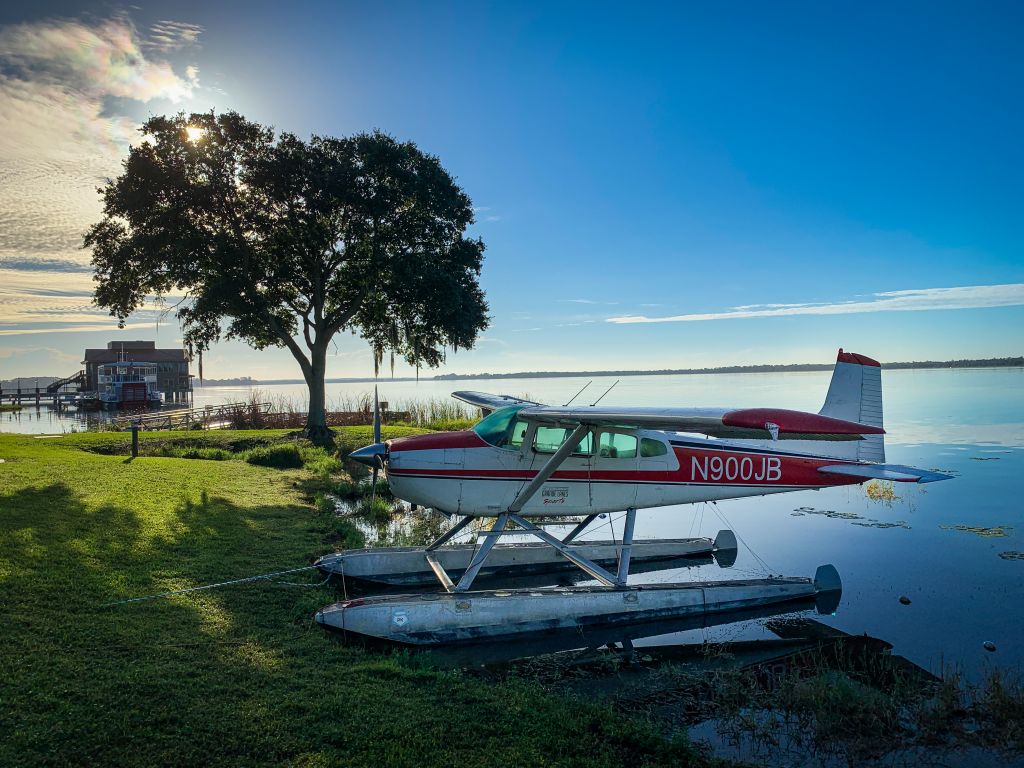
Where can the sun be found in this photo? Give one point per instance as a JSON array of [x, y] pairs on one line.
[[194, 133]]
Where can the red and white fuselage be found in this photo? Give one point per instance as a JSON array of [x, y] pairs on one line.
[[621, 461], [460, 473]]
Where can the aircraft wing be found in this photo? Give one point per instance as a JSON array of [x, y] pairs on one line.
[[741, 423], [488, 402]]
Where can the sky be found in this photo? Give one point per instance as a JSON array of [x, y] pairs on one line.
[[658, 185]]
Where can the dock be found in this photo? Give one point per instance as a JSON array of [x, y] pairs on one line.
[[207, 417]]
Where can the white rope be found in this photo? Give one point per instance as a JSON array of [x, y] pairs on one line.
[[758, 558], [247, 579]]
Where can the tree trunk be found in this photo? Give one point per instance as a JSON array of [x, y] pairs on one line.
[[316, 421]]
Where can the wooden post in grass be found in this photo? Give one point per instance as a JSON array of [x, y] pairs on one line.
[[135, 439]]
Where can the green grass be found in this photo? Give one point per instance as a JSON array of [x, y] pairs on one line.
[[237, 675], [9, 408]]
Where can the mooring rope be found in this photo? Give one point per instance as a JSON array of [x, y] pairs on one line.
[[767, 569], [247, 579]]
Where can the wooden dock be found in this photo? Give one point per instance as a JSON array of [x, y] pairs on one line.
[[207, 417]]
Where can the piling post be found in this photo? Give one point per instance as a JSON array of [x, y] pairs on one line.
[[135, 439]]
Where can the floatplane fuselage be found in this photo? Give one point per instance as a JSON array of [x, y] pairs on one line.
[[616, 463]]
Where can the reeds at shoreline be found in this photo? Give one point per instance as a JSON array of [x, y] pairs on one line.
[[346, 411]]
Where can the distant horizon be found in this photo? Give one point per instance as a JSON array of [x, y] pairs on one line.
[[1009, 361]]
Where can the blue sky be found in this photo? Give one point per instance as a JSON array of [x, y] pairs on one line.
[[845, 160]]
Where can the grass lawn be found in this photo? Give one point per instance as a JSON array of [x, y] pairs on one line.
[[238, 675]]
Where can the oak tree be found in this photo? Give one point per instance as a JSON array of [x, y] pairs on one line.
[[280, 241]]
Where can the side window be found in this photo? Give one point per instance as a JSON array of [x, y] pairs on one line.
[[548, 439], [650, 447], [616, 446], [518, 434]]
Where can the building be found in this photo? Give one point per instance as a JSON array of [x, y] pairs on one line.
[[172, 376]]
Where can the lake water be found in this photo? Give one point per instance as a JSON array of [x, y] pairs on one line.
[[953, 551]]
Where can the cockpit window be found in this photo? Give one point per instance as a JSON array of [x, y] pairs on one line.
[[496, 429], [650, 448], [550, 439], [614, 445]]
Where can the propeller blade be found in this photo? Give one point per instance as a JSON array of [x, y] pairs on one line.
[[376, 416], [373, 487]]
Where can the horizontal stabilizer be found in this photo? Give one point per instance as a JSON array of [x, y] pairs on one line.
[[897, 473]]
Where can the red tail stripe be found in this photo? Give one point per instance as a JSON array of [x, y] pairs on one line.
[[853, 357]]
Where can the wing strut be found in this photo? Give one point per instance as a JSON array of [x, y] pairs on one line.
[[549, 468], [491, 537]]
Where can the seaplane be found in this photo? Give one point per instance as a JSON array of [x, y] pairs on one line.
[[527, 464]]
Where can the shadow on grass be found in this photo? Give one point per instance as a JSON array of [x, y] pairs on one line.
[[237, 674]]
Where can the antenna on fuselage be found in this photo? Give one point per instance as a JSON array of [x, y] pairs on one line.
[[580, 392], [605, 393]]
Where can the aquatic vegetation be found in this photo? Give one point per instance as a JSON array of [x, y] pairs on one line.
[[1012, 555], [374, 510], [991, 532], [881, 490], [319, 461], [830, 513], [884, 524]]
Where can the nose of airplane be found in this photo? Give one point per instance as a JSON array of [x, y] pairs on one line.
[[369, 454]]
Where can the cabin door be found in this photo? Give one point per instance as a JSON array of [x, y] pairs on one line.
[[614, 472]]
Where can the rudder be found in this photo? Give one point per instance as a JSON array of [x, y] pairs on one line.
[[855, 394]]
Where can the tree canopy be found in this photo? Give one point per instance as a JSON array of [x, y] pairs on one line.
[[279, 241]]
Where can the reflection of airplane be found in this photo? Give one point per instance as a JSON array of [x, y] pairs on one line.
[[526, 460]]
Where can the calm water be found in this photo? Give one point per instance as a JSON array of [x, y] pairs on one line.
[[966, 422]]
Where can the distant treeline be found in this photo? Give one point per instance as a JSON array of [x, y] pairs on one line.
[[27, 382], [992, 362]]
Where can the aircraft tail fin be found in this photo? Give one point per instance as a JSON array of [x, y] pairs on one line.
[[855, 394]]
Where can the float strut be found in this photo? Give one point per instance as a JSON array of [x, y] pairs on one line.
[[490, 538], [578, 529], [448, 535], [627, 546], [591, 568]]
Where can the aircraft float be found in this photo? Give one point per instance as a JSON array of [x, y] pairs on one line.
[[528, 465]]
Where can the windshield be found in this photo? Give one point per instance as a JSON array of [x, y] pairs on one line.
[[494, 429]]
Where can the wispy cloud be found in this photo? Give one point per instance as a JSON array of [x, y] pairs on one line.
[[65, 87], [588, 301], [484, 210], [913, 300], [169, 36]]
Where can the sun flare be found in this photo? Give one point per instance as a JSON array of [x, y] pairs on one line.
[[194, 133]]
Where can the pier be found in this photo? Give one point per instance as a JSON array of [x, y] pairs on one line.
[[208, 417]]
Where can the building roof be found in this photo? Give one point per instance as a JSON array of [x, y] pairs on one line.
[[138, 344], [136, 355]]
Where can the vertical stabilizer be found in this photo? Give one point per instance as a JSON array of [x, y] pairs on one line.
[[855, 394]]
